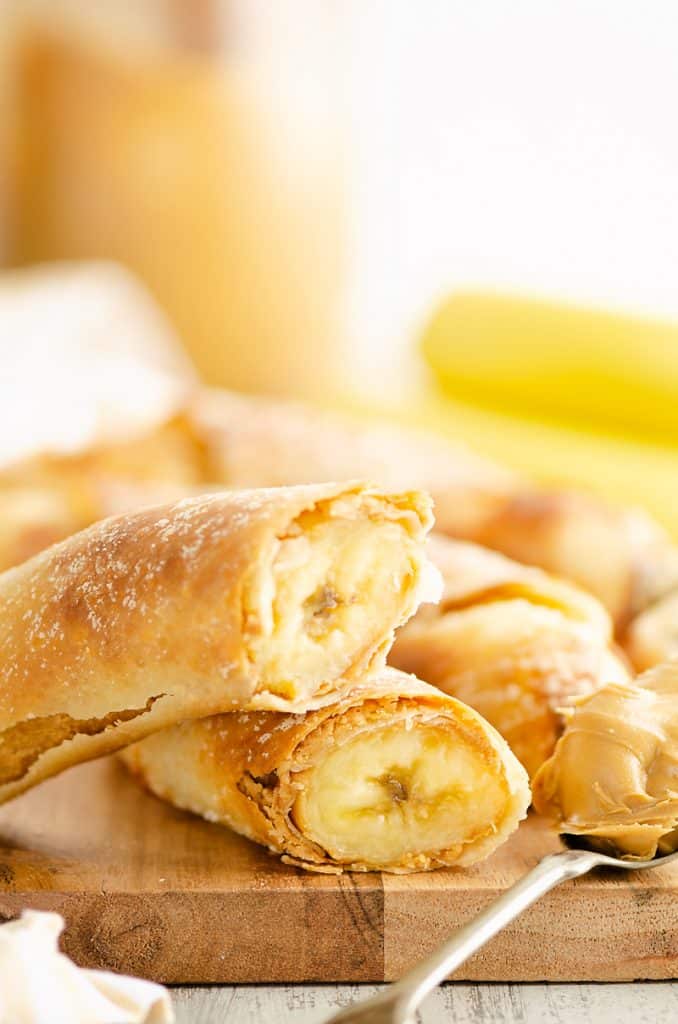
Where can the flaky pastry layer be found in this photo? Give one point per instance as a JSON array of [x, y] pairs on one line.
[[511, 641], [393, 776], [270, 598]]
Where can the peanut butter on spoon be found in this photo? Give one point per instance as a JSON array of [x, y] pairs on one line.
[[613, 776]]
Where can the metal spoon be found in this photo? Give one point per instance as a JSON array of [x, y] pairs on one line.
[[398, 1003]]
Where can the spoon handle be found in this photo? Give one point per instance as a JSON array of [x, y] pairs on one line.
[[549, 872]]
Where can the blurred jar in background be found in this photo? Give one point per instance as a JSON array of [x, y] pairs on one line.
[[7, 127], [202, 144]]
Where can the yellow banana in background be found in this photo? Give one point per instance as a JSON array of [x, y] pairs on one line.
[[570, 396], [564, 364]]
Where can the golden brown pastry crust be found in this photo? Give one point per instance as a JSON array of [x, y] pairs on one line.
[[613, 775], [156, 616], [511, 641], [46, 498], [168, 454], [652, 637], [246, 770], [255, 441], [620, 555]]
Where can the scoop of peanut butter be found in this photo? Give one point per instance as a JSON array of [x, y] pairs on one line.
[[613, 776]]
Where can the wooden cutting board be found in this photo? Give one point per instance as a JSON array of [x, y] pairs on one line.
[[152, 891]]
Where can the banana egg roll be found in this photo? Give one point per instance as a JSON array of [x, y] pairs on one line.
[[511, 641], [254, 441], [166, 456], [268, 598], [613, 776], [620, 555], [392, 776]]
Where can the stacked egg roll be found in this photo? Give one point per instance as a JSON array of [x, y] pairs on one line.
[[392, 776], [271, 599], [511, 641], [620, 555], [222, 439], [237, 640]]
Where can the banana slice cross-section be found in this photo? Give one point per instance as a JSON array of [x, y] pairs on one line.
[[394, 776], [263, 599]]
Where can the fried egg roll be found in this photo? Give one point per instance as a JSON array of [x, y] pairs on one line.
[[393, 776], [620, 555], [511, 641], [269, 598]]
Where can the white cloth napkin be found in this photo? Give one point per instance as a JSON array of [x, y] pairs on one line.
[[86, 358], [40, 985]]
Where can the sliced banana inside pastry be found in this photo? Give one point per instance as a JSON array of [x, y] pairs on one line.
[[270, 599], [394, 776], [614, 774], [512, 642]]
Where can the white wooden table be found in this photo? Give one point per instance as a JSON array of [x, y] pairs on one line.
[[640, 1003]]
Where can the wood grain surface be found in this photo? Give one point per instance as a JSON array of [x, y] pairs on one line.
[[150, 890]]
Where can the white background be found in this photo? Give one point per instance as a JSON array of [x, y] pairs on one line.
[[528, 145]]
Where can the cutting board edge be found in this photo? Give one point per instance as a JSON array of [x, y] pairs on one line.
[[98, 934]]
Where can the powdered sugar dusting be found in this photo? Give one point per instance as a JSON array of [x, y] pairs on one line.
[[108, 594]]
